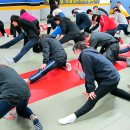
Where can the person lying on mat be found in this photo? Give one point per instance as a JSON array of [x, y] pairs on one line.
[[14, 92], [96, 68], [109, 45], [54, 57]]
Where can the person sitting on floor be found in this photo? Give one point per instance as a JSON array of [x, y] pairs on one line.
[[96, 68], [14, 92], [54, 57]]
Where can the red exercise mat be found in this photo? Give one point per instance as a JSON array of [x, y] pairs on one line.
[[58, 80]]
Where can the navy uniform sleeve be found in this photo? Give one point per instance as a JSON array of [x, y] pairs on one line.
[[89, 73], [63, 28]]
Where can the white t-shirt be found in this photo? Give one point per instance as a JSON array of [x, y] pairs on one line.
[[120, 19]]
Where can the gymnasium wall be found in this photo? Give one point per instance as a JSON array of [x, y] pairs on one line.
[[40, 8], [125, 3]]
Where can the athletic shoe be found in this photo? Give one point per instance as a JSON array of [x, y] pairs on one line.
[[37, 124], [81, 74], [9, 60], [68, 67], [67, 120]]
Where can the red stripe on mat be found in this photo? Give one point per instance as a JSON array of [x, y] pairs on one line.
[[57, 81]]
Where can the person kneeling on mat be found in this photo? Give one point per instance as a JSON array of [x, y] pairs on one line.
[[96, 68], [109, 45], [14, 92], [54, 57]]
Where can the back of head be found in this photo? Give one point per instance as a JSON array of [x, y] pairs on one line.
[[22, 11], [75, 11], [95, 7], [82, 36], [117, 10], [96, 17], [118, 2], [88, 11], [80, 45], [116, 7], [57, 17], [50, 16], [14, 18]]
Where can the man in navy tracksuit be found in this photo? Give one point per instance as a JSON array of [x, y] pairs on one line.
[[82, 20], [96, 68]]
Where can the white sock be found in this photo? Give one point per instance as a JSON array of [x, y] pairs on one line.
[[67, 120]]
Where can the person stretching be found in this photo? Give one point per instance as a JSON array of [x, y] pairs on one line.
[[96, 68], [14, 92], [54, 57], [31, 33]]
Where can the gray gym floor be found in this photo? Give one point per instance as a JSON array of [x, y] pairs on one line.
[[110, 113]]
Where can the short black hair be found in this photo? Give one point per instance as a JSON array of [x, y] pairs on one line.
[[50, 16], [22, 11], [88, 11], [117, 10], [94, 16], [57, 17], [116, 7], [95, 7], [119, 2], [82, 36], [74, 10], [14, 18], [79, 45]]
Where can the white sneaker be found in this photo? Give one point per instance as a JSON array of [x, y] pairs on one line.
[[67, 120], [9, 60], [68, 67]]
